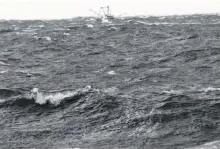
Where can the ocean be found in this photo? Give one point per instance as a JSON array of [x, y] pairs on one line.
[[128, 83]]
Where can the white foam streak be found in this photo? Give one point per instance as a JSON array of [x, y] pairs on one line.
[[206, 90], [171, 92], [3, 63]]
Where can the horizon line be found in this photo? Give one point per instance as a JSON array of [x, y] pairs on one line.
[[93, 16]]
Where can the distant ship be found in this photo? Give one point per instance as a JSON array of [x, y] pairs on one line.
[[103, 14]]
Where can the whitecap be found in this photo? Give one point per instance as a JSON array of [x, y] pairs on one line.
[[47, 38], [129, 58], [41, 26], [89, 25], [111, 72], [2, 101], [66, 34], [3, 71], [129, 21], [210, 89], [141, 22], [112, 29], [171, 92], [57, 97]]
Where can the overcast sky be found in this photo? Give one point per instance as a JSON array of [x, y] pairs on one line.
[[57, 9]]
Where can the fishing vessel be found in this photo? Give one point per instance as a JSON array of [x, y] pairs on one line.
[[103, 13]]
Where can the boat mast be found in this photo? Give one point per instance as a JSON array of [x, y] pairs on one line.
[[107, 10], [98, 14], [103, 10]]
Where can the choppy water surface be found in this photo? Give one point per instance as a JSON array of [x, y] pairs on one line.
[[131, 83]]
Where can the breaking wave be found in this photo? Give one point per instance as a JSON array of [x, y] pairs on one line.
[[41, 98], [58, 97]]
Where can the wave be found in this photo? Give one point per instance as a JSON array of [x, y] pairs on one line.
[[6, 93], [55, 98], [101, 111], [170, 101], [181, 92], [86, 99], [5, 30], [209, 145], [40, 98]]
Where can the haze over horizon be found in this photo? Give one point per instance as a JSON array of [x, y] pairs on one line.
[[62, 9]]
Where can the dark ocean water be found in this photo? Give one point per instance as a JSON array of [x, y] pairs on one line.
[[133, 83]]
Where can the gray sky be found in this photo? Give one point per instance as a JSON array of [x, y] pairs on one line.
[[57, 9]]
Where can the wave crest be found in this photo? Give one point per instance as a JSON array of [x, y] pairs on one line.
[[40, 97], [57, 97]]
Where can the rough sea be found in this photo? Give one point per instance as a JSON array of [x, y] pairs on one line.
[[128, 83]]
